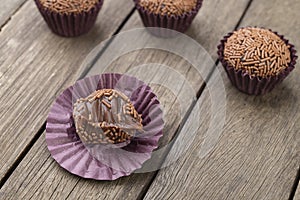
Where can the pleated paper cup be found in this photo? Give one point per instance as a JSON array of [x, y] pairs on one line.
[[71, 24], [255, 85], [164, 23], [102, 162]]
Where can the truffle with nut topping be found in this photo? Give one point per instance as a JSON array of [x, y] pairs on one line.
[[106, 117]]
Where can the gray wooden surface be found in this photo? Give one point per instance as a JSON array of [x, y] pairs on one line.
[[7, 10], [257, 156], [35, 65], [297, 194], [39, 182]]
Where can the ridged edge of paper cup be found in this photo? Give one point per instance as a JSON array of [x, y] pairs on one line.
[[255, 85], [67, 149], [165, 22], [72, 24]]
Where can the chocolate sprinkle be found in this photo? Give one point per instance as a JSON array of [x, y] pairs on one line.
[[168, 7], [106, 116], [257, 52], [69, 6]]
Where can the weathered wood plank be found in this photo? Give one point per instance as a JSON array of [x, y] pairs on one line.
[[35, 65], [207, 27], [297, 195], [143, 57], [258, 155], [45, 173], [134, 186], [7, 8], [172, 116]]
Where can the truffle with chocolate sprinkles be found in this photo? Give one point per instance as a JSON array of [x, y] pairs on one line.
[[168, 7], [257, 52], [69, 6], [106, 117]]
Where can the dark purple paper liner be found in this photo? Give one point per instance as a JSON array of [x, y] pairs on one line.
[[176, 23], [72, 24], [67, 149], [255, 85]]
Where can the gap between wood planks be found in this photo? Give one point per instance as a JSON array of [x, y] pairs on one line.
[[295, 185], [43, 127], [9, 18], [200, 91], [143, 193]]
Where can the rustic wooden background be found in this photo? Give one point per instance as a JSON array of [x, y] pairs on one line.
[[256, 157]]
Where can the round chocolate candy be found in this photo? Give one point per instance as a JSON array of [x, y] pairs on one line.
[[67, 6], [106, 117], [258, 52], [168, 7]]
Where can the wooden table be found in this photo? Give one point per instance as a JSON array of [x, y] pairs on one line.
[[256, 157]]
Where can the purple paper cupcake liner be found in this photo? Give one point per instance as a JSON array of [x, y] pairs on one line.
[[255, 85], [99, 162], [70, 25], [165, 22]]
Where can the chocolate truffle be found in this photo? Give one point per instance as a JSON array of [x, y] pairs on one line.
[[106, 117], [256, 59], [69, 6], [166, 15], [257, 52], [168, 7], [69, 18]]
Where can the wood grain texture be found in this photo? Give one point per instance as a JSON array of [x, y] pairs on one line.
[[134, 186], [297, 194], [35, 65], [138, 58], [257, 155], [8, 8], [45, 173], [212, 22]]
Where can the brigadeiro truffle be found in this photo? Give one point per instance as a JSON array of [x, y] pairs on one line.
[[169, 14], [256, 59], [105, 126], [69, 18], [106, 117]]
